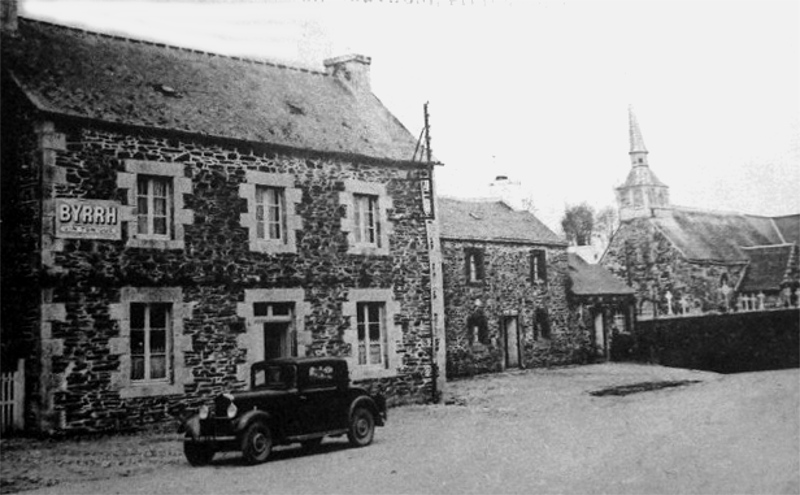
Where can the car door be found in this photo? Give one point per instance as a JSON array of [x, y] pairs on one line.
[[320, 398]]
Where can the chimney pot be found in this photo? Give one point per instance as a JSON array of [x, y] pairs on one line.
[[351, 70], [8, 16]]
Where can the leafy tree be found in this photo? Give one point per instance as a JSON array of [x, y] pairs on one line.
[[578, 224]]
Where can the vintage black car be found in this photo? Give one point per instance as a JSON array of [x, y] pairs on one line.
[[290, 400]]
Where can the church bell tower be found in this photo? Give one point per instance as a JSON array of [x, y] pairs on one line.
[[642, 193]]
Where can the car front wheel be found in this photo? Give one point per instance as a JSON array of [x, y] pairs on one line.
[[256, 443], [198, 454], [362, 427]]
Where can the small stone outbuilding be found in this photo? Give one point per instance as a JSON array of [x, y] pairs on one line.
[[505, 288], [604, 305]]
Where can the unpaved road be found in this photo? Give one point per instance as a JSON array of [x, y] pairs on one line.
[[535, 431]]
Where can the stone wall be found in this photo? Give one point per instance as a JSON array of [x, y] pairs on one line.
[[724, 343], [85, 280], [507, 290], [641, 255]]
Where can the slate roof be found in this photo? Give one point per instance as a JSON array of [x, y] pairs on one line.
[[716, 236], [789, 226], [593, 280], [73, 72], [492, 221], [768, 268], [641, 175]]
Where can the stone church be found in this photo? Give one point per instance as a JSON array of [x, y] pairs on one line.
[[684, 261]]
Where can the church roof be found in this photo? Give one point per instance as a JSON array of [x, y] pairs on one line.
[[641, 176], [716, 236], [789, 226], [72, 72], [593, 280], [637, 142], [492, 221], [768, 269]]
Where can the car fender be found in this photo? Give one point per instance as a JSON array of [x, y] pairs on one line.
[[191, 426], [248, 418], [369, 403]]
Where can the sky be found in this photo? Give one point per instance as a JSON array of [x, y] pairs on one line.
[[538, 91]]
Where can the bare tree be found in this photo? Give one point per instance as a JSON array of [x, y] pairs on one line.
[[578, 224], [606, 221]]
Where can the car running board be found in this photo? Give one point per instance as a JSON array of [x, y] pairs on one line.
[[319, 434]]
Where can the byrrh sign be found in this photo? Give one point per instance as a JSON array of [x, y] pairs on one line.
[[87, 219]]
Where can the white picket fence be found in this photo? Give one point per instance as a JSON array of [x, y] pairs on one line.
[[12, 399]]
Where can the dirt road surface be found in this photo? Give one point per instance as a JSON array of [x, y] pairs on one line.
[[532, 431]]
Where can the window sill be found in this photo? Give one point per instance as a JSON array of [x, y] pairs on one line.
[[162, 244], [272, 247], [367, 250], [360, 372]]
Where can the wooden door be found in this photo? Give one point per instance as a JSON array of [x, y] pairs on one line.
[[511, 334]]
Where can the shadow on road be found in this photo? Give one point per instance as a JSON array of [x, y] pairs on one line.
[[282, 453]]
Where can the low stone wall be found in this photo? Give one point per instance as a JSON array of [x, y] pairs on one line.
[[724, 343]]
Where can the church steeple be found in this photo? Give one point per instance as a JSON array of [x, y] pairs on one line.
[[638, 151], [642, 193]]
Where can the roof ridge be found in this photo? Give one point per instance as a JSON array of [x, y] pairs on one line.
[[174, 47], [691, 209], [764, 246]]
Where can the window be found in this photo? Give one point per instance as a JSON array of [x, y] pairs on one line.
[[271, 217], [150, 336], [542, 324], [367, 221], [151, 345], [270, 214], [477, 329], [473, 265], [538, 265], [154, 207], [371, 334], [156, 217]]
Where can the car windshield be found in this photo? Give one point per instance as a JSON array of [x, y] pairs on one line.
[[273, 376]]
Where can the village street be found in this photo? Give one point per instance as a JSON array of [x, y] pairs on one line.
[[535, 431]]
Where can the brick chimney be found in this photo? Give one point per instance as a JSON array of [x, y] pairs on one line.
[[351, 70], [8, 16]]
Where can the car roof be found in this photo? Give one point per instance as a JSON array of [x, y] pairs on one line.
[[304, 360]]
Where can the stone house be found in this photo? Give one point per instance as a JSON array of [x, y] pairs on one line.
[[604, 305], [505, 280], [171, 216], [683, 261]]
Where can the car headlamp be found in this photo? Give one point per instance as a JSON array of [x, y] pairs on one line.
[[203, 412], [232, 410]]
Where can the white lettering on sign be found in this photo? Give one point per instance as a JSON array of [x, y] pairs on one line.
[[103, 215], [88, 219]]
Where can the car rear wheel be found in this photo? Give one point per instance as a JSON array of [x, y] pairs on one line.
[[362, 427], [198, 454], [256, 443]]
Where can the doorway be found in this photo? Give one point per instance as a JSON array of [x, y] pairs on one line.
[[277, 340], [511, 337], [599, 334], [277, 321]]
